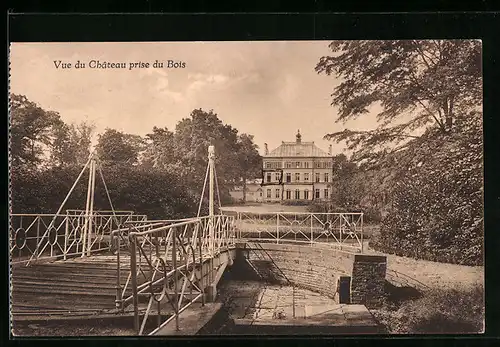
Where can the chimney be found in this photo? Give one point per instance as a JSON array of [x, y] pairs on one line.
[[298, 136], [330, 150], [266, 150]]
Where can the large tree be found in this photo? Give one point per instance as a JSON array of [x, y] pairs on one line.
[[116, 147], [30, 131], [160, 149], [71, 143], [193, 136], [415, 82]]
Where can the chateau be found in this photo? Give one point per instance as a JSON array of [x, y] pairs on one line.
[[296, 171]]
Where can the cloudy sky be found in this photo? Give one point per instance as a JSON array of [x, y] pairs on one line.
[[267, 89]]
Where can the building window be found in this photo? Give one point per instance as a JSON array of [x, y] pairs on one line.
[[326, 193], [277, 194], [306, 165], [306, 177], [317, 177], [288, 165], [268, 165], [268, 177], [297, 194], [288, 194], [327, 179], [269, 193], [288, 177], [297, 164], [324, 165], [277, 176], [306, 194], [318, 165], [297, 177], [317, 193]]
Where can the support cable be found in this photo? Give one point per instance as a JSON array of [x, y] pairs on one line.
[[203, 191], [217, 189], [107, 192], [60, 209]]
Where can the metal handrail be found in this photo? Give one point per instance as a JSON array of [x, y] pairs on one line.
[[169, 253], [338, 228]]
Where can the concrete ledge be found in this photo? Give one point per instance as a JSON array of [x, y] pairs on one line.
[[191, 321], [305, 322]]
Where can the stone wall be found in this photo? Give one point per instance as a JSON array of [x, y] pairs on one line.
[[368, 280], [317, 268]]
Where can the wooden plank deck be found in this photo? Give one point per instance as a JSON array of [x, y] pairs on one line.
[[75, 286]]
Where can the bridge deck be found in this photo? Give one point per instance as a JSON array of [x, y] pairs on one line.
[[73, 287], [77, 286]]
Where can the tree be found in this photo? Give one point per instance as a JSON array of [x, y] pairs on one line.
[[249, 159], [192, 138], [437, 205], [416, 83], [115, 147], [82, 135], [70, 144], [344, 192], [30, 131], [160, 149]]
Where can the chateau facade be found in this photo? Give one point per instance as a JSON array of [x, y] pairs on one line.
[[296, 171]]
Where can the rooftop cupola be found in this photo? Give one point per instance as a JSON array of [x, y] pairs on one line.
[[298, 137]]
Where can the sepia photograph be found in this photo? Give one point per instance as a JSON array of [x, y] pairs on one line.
[[246, 188]]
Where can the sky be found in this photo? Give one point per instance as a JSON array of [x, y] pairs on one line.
[[266, 89]]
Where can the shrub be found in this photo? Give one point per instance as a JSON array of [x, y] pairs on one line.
[[155, 193], [437, 211], [438, 311]]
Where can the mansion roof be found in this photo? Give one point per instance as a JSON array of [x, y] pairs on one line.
[[297, 149]]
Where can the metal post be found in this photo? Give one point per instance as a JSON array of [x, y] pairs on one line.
[[362, 246], [91, 211], [340, 229], [312, 235], [174, 263], [87, 208], [211, 157], [66, 231], [277, 228], [202, 279], [133, 272], [119, 298]]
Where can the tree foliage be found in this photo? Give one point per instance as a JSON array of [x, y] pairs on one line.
[[437, 211], [30, 131], [71, 144], [424, 160], [115, 147], [415, 82], [160, 175], [40, 138]]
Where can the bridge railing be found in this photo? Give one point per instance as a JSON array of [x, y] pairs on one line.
[[45, 236], [343, 230], [166, 267]]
